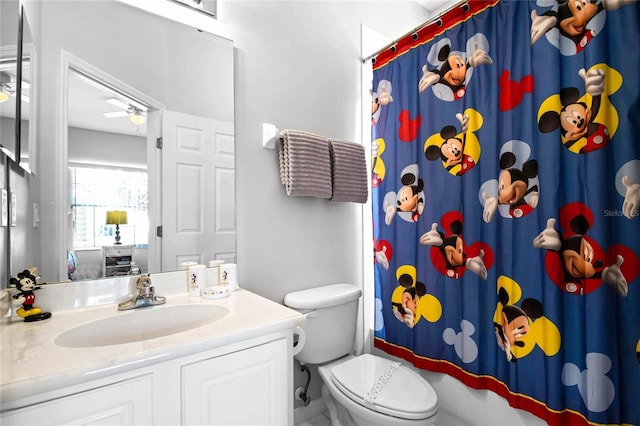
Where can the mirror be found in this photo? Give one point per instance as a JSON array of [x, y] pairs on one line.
[[173, 70], [9, 21], [26, 103]]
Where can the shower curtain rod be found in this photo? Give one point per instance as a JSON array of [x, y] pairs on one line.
[[415, 30]]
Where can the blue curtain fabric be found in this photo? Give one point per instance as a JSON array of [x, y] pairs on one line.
[[506, 196]]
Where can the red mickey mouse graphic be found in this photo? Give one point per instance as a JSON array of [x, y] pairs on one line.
[[408, 130], [382, 252], [576, 263], [511, 91], [449, 253]]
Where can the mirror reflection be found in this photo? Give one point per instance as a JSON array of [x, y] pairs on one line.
[[123, 88], [108, 189], [9, 18], [27, 107]]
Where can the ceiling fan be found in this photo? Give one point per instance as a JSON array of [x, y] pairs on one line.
[[6, 86], [136, 113]]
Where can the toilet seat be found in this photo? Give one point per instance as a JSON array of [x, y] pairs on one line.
[[400, 391]]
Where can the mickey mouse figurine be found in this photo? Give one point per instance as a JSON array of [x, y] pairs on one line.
[[26, 284]]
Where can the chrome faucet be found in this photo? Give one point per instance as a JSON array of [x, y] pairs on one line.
[[146, 296]]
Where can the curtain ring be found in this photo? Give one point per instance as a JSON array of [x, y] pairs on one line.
[[465, 7]]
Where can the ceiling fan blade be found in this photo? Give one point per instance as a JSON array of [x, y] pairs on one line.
[[117, 103], [115, 114]]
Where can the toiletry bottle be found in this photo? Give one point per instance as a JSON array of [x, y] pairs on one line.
[[197, 279], [213, 273]]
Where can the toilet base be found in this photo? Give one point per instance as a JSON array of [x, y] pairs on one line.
[[339, 415]]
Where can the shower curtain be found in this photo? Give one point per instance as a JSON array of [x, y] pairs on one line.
[[506, 196]]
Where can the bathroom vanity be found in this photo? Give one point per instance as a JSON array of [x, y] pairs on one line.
[[233, 367]]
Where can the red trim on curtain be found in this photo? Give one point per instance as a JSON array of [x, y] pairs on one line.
[[565, 418], [448, 20]]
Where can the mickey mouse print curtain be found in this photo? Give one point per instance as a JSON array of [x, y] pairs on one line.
[[506, 196]]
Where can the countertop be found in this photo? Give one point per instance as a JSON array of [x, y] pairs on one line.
[[32, 363]]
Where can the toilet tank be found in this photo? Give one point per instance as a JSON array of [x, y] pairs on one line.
[[330, 330]]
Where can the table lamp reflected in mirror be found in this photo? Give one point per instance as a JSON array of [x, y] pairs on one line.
[[117, 218]]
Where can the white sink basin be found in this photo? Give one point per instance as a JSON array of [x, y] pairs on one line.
[[140, 324]]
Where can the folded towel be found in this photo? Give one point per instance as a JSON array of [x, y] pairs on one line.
[[348, 172], [305, 164]]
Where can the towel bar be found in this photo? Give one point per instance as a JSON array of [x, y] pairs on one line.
[[270, 135]]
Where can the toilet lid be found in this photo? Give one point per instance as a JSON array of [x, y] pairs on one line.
[[386, 387]]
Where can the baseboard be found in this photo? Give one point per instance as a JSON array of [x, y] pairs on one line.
[[303, 414]]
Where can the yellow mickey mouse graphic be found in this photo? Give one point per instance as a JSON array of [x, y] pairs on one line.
[[459, 152], [587, 123], [378, 168], [520, 328], [410, 300]]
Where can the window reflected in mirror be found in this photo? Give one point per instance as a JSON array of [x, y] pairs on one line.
[[96, 191], [107, 169]]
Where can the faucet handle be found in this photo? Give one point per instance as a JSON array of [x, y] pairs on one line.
[[144, 282]]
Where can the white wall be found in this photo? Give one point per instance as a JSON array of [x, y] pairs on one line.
[[93, 147], [297, 66]]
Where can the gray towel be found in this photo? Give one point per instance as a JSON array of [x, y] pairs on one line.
[[348, 172], [305, 164]]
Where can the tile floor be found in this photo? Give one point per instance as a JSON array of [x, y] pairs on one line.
[[320, 420], [444, 419]]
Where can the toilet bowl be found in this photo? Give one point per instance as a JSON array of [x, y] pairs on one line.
[[403, 397], [358, 390]]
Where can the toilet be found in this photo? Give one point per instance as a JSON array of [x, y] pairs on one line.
[[358, 390]]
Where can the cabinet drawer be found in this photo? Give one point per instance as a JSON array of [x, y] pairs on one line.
[[118, 251]]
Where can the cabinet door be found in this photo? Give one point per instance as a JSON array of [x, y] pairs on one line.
[[123, 403], [248, 387]]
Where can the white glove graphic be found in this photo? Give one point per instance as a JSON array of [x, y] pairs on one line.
[[612, 275], [540, 25], [479, 57], [431, 238], [631, 202], [381, 258], [390, 213], [490, 207], [407, 318], [428, 79], [593, 81], [464, 121], [549, 238], [476, 265]]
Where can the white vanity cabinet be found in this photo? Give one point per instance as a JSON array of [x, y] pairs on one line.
[[128, 402], [240, 388], [241, 384]]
